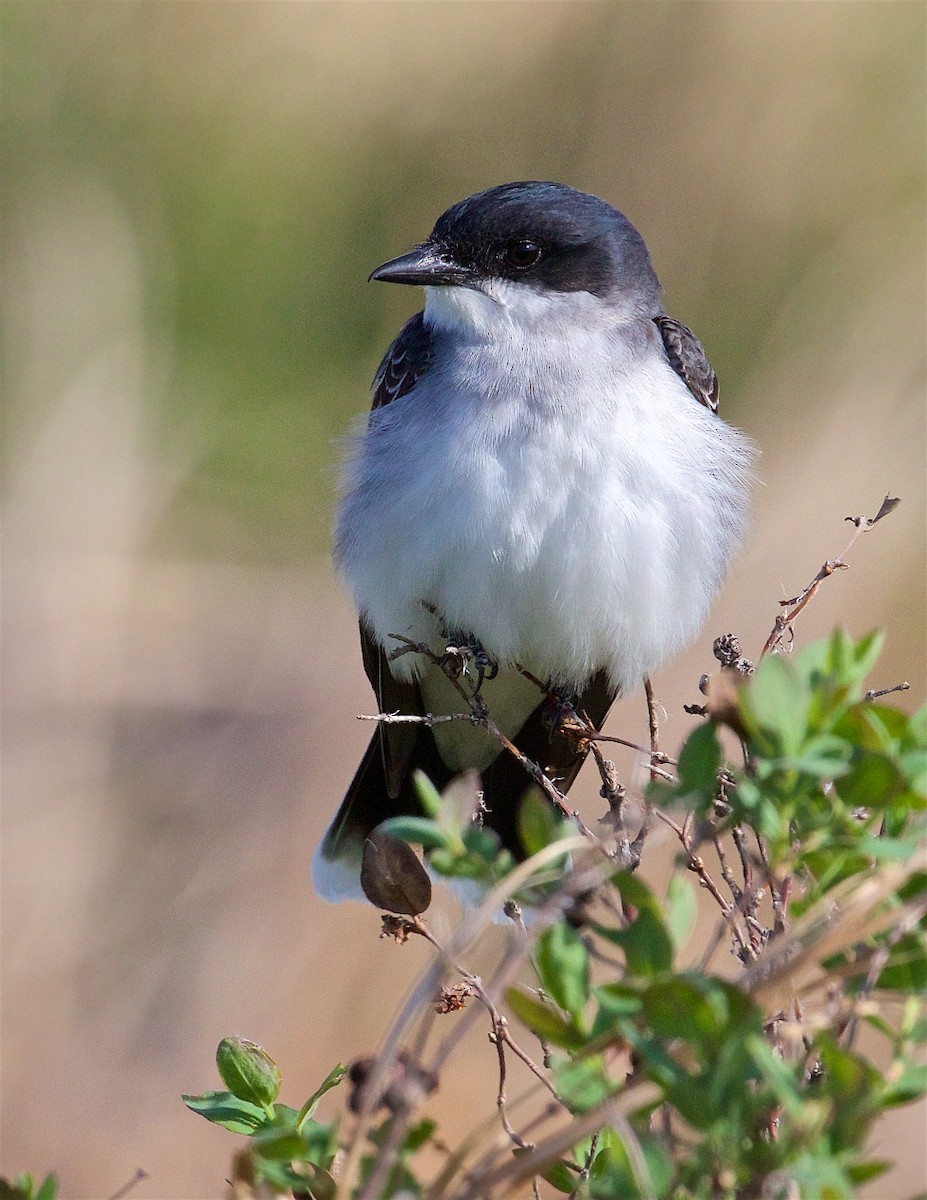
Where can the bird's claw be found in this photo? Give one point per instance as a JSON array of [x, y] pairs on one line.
[[459, 659]]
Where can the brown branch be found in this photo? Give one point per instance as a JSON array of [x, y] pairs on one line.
[[796, 604], [696, 865], [652, 726], [121, 1193], [876, 693]]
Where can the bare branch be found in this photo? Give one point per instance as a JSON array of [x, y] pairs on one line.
[[794, 606]]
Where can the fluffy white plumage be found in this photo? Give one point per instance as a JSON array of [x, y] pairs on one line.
[[550, 486]]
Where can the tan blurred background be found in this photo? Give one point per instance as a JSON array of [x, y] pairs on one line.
[[193, 197]]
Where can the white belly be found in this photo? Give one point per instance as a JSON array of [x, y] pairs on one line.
[[566, 536]]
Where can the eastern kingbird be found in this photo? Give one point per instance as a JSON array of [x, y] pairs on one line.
[[543, 476]]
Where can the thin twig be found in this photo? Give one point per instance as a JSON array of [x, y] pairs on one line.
[[696, 865], [876, 693], [121, 1193], [796, 604], [652, 726]]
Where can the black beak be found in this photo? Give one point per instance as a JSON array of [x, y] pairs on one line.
[[424, 266]]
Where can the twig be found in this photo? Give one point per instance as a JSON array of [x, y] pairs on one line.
[[778, 895], [584, 1171], [657, 757], [876, 693], [121, 1193], [652, 726], [697, 866], [479, 715], [497, 1037], [784, 620]]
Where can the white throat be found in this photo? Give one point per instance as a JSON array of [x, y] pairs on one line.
[[500, 304]]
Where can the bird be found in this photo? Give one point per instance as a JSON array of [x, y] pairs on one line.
[[543, 484]]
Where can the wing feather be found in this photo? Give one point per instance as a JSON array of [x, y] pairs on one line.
[[689, 361]]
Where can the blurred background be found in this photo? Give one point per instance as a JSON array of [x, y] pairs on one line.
[[193, 197]]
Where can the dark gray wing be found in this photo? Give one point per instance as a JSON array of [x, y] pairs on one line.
[[687, 358], [405, 362]]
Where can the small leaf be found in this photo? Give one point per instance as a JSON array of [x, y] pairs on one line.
[[418, 1135], [563, 967], [321, 1184], [280, 1146], [16, 1190], [775, 705], [48, 1189], [222, 1108], [647, 945], [873, 781], [681, 908], [538, 824], [865, 1171], [560, 1177], [646, 942], [582, 1083], [699, 762], [392, 876], [248, 1071], [428, 794], [332, 1079], [420, 830], [617, 1005], [906, 969], [543, 1021]]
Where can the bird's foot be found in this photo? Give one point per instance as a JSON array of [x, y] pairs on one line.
[[469, 656], [560, 716]]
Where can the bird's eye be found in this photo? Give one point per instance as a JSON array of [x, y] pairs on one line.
[[522, 254]]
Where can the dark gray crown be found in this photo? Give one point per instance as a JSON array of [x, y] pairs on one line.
[[585, 244]]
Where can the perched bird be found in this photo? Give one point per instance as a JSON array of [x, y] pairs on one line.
[[543, 483]]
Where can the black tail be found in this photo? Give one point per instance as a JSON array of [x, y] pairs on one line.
[[383, 786]]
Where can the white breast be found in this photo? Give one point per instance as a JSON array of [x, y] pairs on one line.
[[564, 499]]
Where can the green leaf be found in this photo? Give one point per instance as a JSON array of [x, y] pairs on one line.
[[873, 781], [906, 969], [775, 705], [428, 795], [779, 1076], [646, 942], [560, 1177], [700, 1010], [23, 1188], [20, 1189], [542, 1020], [538, 824], [321, 1183], [617, 1005], [699, 763], [681, 908], [222, 1108], [419, 830], [582, 1083], [824, 756], [482, 842], [563, 967], [332, 1079], [285, 1146], [248, 1071], [863, 1172], [612, 1173], [910, 1085], [418, 1135], [647, 945], [840, 661]]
